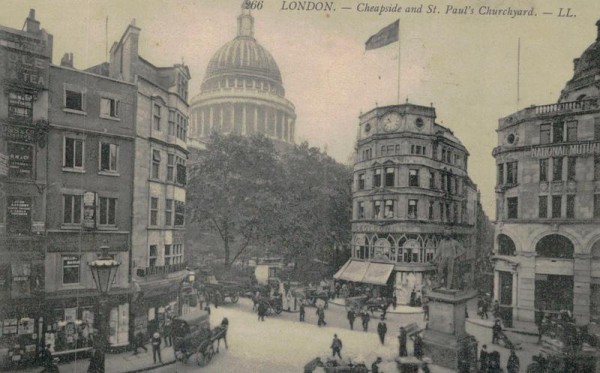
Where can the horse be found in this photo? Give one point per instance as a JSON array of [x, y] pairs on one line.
[[220, 332]]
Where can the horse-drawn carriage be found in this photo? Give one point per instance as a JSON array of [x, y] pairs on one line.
[[216, 292], [364, 303], [312, 296], [270, 304], [192, 336]]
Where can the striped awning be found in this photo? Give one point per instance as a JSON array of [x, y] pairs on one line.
[[366, 272]]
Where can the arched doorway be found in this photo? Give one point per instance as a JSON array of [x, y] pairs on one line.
[[554, 291], [506, 245]]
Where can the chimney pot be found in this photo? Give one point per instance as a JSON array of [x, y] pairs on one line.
[[67, 60], [31, 25]]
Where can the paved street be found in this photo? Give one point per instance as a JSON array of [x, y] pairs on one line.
[[281, 344]]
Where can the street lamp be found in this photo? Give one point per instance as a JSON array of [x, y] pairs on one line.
[[104, 270]]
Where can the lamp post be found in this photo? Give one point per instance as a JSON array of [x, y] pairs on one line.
[[104, 270]]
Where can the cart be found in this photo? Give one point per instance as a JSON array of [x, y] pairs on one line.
[[192, 337], [273, 305], [217, 292]]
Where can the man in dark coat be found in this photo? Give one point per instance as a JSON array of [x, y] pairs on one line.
[[496, 330], [483, 359], [96, 361], [351, 317], [425, 311], [302, 312], [139, 343], [381, 330], [336, 346], [262, 310], [402, 340], [365, 320], [513, 363], [418, 346], [156, 339], [321, 316]]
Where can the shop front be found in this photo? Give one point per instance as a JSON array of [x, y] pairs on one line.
[[368, 278], [155, 303], [21, 326]]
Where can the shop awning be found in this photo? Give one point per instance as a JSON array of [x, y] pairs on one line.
[[367, 272], [378, 273]]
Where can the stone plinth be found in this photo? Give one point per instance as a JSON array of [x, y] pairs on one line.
[[446, 341]]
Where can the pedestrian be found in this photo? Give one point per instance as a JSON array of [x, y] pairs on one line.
[[351, 317], [402, 340], [483, 359], [96, 361], [375, 365], [166, 332], [139, 343], [262, 310], [496, 330], [156, 339], [302, 312], [513, 363], [207, 309], [413, 297], [418, 346], [381, 330], [425, 311], [365, 320], [336, 346], [485, 305], [496, 309], [321, 316], [394, 301], [539, 318], [45, 356]]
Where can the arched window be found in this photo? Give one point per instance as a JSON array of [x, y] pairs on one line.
[[555, 246], [506, 246], [596, 251]]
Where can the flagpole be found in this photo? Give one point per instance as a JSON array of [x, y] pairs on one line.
[[399, 58], [518, 73]]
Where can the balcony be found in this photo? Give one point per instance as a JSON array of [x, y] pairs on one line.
[[533, 111], [161, 271]]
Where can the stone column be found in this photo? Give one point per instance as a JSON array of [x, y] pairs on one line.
[[515, 286], [526, 290], [211, 117], [582, 270], [232, 121], [496, 285], [243, 119], [255, 127]]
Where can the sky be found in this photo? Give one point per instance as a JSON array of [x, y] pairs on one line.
[[465, 65]]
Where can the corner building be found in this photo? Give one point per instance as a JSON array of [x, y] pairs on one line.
[[547, 241], [242, 93], [410, 184]]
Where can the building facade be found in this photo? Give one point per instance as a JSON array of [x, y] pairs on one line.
[[242, 92], [410, 186], [159, 178], [547, 242], [89, 201], [24, 59]]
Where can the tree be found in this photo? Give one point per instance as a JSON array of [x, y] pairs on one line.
[[235, 190]]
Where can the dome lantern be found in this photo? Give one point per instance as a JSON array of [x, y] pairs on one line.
[[245, 23]]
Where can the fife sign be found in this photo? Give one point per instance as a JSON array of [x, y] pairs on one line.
[[584, 149]]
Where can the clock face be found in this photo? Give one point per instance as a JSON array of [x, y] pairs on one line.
[[391, 121]]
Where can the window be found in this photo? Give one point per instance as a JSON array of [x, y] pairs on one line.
[[512, 204], [571, 206], [361, 210], [571, 168], [155, 165], [413, 178], [156, 117], [361, 181], [443, 154], [544, 169], [153, 211], [108, 211], [431, 180], [72, 209], [73, 153], [73, 100], [511, 172], [596, 128], [179, 213], [412, 208], [556, 206], [182, 124], [596, 205], [389, 209], [431, 204], [377, 178], [389, 177], [558, 132], [377, 209], [500, 174], [168, 212], [597, 167], [181, 171], [170, 167], [152, 255], [557, 166], [20, 106], [572, 131], [70, 270], [545, 133], [108, 157], [442, 211], [542, 207], [447, 208], [109, 107], [168, 254], [418, 149], [172, 123], [177, 253]]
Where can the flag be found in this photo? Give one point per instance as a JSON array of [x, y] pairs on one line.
[[385, 36]]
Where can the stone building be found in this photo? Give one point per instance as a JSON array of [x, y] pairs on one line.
[[25, 55], [547, 242], [410, 185], [242, 92], [159, 178]]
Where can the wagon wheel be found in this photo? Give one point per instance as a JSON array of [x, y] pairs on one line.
[[235, 297], [204, 356]]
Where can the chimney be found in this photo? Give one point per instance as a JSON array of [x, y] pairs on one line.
[[67, 60], [31, 25]]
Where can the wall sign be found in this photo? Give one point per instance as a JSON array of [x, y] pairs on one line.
[[20, 160], [566, 150], [18, 216]]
